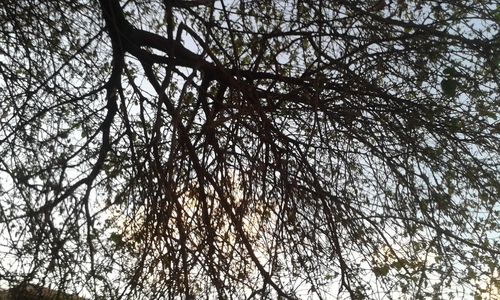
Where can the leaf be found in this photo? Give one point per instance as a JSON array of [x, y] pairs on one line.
[[449, 87], [451, 72], [117, 239], [497, 14], [381, 271]]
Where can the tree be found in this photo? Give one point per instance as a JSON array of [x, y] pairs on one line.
[[250, 149], [32, 292]]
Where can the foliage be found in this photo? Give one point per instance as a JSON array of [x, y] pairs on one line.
[[250, 149], [32, 292]]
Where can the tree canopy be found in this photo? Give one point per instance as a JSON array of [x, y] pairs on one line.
[[241, 149]]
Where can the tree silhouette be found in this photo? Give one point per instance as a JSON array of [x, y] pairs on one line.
[[213, 149]]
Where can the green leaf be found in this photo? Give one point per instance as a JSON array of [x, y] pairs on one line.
[[381, 271], [451, 72], [117, 238], [449, 87]]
